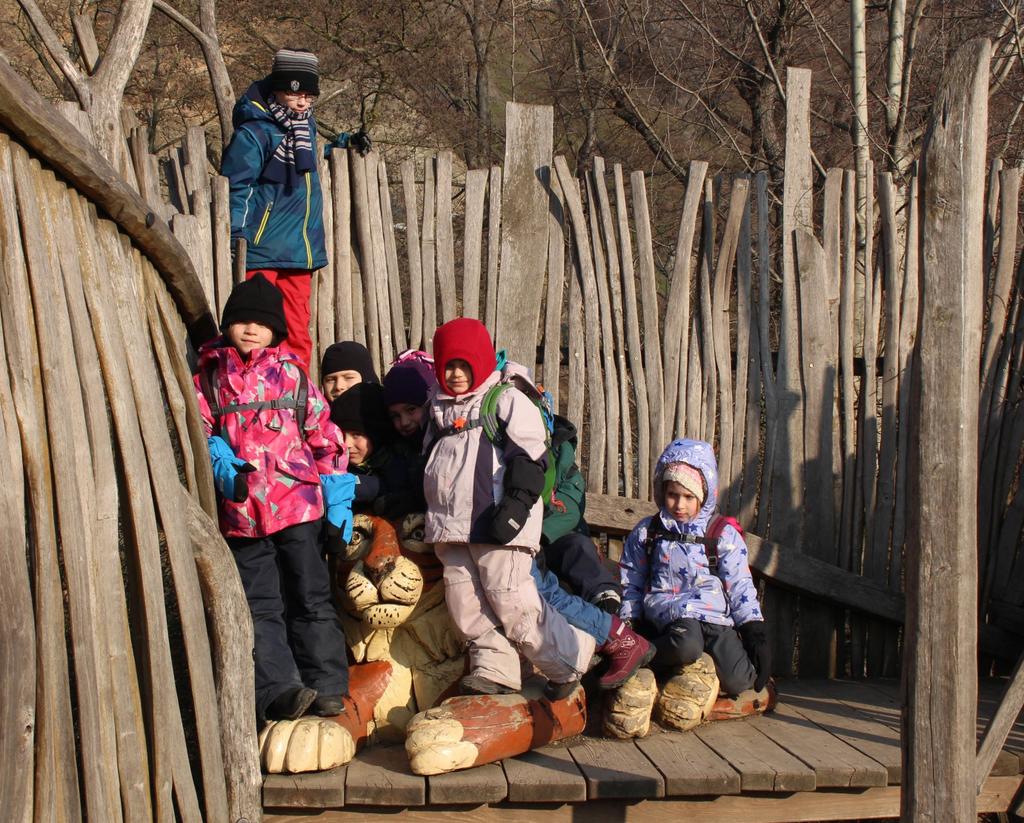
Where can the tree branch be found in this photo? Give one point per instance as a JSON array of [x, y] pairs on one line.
[[206, 36], [630, 112], [765, 51], [123, 48], [56, 50]]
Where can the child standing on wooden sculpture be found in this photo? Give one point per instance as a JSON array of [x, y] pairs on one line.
[[484, 517], [276, 201], [278, 463], [684, 571]]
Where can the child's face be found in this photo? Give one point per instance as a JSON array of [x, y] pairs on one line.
[[248, 337], [458, 376], [680, 502], [406, 418], [359, 447], [337, 383], [297, 101]]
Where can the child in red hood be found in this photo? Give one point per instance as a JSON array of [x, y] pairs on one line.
[[484, 517]]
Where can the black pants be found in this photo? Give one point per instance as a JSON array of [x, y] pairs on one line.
[[684, 641], [298, 636], [574, 559]]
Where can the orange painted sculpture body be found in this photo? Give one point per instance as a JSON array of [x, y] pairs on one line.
[[470, 731]]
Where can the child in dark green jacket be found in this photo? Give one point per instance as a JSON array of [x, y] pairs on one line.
[[566, 546]]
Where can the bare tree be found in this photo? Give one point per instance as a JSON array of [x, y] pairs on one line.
[[100, 89], [206, 35]]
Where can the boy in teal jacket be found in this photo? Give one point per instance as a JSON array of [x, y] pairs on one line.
[[276, 202]]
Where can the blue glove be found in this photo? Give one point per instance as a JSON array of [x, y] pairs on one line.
[[339, 492], [229, 471]]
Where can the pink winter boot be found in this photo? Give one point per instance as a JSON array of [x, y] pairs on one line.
[[626, 652]]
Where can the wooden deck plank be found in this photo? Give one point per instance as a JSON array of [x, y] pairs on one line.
[[484, 784], [1009, 761], [872, 703], [616, 769], [689, 766], [798, 807], [380, 776], [318, 790], [834, 762], [878, 741], [545, 775], [762, 764]]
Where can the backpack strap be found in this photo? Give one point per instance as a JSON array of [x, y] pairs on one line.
[[208, 383], [710, 540], [494, 427], [301, 396]]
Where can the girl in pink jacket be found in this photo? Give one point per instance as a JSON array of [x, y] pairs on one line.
[[278, 462]]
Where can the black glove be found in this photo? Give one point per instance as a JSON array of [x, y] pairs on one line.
[[525, 475], [334, 541], [241, 489], [755, 642], [511, 515], [360, 141]]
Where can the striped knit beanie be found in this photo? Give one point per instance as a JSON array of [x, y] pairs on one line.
[[295, 70]]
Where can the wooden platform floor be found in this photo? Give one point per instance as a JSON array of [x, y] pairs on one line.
[[831, 751]]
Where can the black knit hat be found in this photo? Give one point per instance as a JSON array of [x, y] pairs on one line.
[[361, 409], [348, 355], [295, 70], [255, 300]]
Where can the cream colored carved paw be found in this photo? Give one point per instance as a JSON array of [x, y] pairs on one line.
[[687, 699], [628, 709]]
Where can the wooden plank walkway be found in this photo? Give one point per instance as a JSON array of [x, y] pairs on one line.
[[829, 752]]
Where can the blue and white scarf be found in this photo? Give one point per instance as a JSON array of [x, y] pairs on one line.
[[293, 156]]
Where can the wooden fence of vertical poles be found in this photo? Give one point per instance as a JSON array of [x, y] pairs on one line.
[[844, 416]]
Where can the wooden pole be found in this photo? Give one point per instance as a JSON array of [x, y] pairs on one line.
[[428, 255], [939, 765], [556, 287], [341, 202], [817, 623], [596, 443], [703, 418], [677, 318], [524, 234], [615, 290], [398, 327], [412, 246], [604, 306], [380, 296], [18, 652], [633, 345], [473, 227], [720, 329], [649, 303], [445, 236], [797, 211], [493, 245], [367, 266]]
